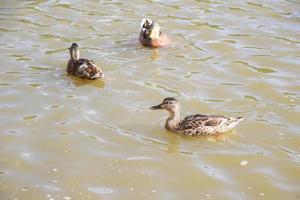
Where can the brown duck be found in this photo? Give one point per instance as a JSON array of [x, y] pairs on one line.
[[151, 34], [195, 125], [82, 67]]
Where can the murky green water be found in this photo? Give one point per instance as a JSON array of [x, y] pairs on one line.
[[64, 138]]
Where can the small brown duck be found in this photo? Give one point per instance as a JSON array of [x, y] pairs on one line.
[[82, 67], [195, 125], [151, 34]]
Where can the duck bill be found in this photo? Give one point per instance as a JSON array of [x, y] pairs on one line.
[[158, 107]]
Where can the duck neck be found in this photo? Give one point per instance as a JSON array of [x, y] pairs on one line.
[[74, 53], [173, 119]]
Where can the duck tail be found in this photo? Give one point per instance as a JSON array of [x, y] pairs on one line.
[[239, 119], [234, 121], [98, 75]]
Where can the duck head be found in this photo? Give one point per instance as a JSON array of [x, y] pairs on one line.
[[170, 104], [74, 51]]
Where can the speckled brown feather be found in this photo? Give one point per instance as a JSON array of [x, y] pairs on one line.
[[199, 124], [85, 69]]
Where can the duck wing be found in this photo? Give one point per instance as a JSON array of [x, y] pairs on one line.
[[88, 69], [206, 124], [199, 120]]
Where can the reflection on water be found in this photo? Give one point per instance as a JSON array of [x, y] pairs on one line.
[[65, 138], [79, 82]]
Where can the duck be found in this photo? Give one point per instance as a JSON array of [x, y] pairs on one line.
[[151, 34], [82, 67], [195, 125]]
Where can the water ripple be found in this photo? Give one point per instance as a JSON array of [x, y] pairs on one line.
[[64, 137]]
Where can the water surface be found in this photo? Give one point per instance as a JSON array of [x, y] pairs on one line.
[[64, 138]]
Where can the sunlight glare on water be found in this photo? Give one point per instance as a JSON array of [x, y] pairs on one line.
[[65, 138]]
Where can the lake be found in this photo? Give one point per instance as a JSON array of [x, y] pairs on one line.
[[65, 138]]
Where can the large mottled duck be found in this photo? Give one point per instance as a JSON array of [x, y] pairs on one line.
[[195, 125], [82, 67]]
